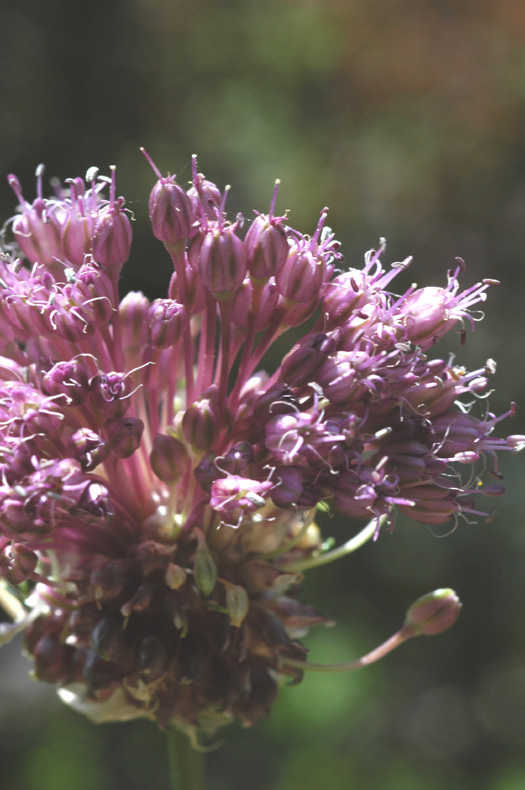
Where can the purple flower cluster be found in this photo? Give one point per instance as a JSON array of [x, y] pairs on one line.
[[158, 489]]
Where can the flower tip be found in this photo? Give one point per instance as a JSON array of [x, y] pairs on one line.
[[432, 613]]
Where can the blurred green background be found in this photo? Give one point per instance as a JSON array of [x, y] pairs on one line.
[[406, 118]]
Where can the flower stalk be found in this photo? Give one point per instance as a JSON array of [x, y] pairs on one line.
[[187, 764]]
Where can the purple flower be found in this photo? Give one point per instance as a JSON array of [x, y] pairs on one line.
[[158, 490]]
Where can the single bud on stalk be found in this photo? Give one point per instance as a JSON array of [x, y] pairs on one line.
[[432, 613]]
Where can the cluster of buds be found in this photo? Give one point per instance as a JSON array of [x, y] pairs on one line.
[[158, 490]]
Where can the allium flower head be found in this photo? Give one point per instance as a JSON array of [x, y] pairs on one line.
[[158, 489]]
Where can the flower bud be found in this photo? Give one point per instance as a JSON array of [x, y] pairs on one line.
[[112, 238], [200, 422], [266, 247], [433, 613], [124, 435], [302, 276], [167, 320], [76, 237], [36, 228], [169, 458], [195, 300], [170, 211], [153, 657], [300, 365], [133, 314], [109, 639], [252, 303], [222, 261], [427, 315], [205, 197], [52, 659]]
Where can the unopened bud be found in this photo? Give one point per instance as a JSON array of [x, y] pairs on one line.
[[266, 246], [201, 420], [112, 235], [166, 321], [124, 435], [432, 613], [222, 262], [170, 211], [168, 458]]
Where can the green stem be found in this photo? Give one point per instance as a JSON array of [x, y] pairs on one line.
[[187, 768], [341, 551]]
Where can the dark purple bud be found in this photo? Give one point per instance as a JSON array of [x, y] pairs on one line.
[[288, 486], [124, 435], [111, 580], [110, 640], [153, 657], [200, 423], [301, 364], [167, 320], [238, 459], [98, 673], [206, 471], [53, 659], [430, 504], [169, 458], [277, 399]]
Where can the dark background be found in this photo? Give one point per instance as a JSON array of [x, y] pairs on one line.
[[406, 118]]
